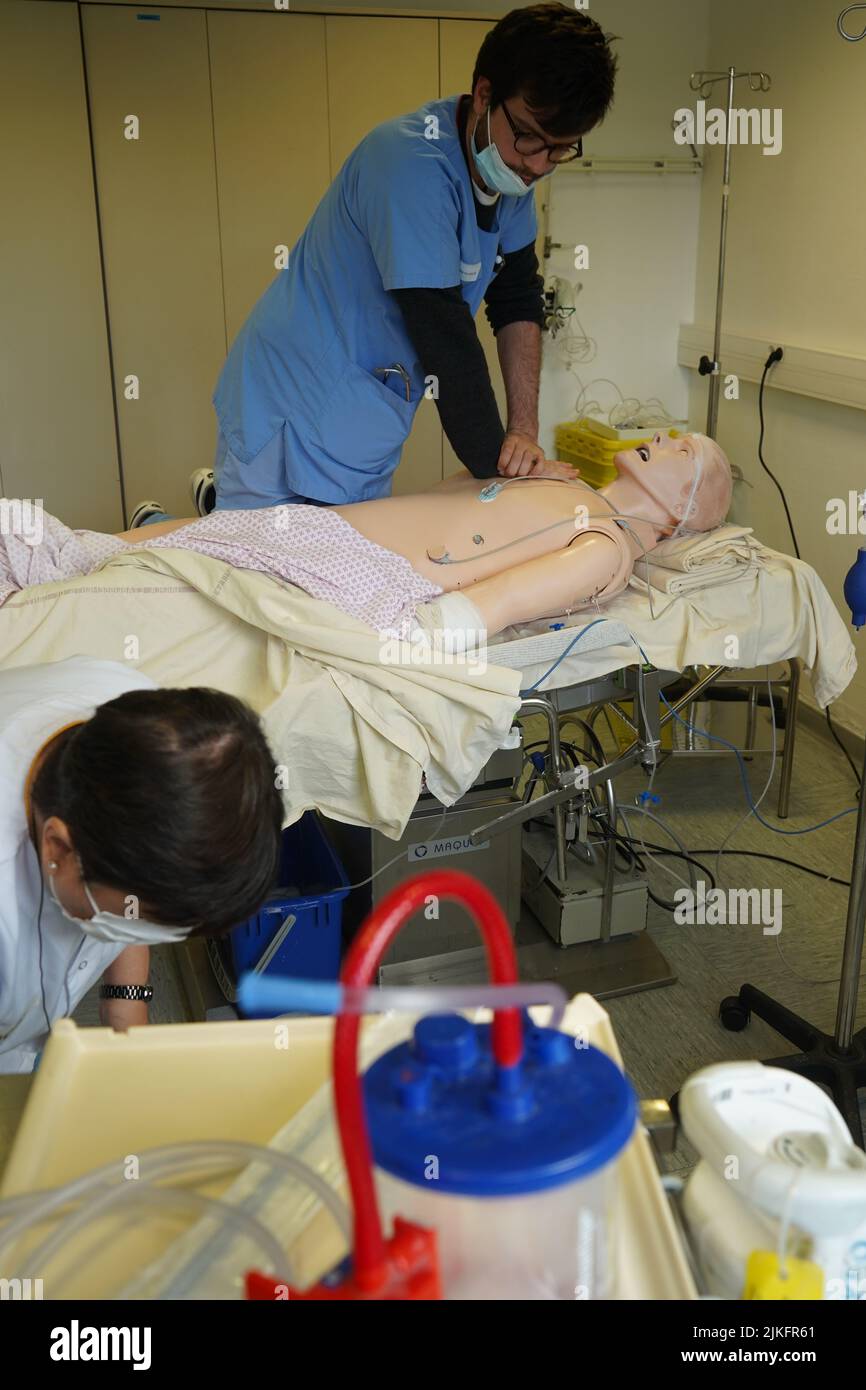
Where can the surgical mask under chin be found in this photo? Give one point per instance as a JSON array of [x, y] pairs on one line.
[[493, 169], [109, 926]]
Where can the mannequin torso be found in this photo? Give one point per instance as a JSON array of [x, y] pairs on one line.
[[482, 534]]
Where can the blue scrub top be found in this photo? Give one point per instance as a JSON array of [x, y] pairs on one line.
[[399, 215]]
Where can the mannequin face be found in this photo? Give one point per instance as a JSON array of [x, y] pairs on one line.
[[672, 473], [662, 452]]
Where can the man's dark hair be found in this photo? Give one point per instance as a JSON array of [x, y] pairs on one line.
[[170, 795], [558, 59]]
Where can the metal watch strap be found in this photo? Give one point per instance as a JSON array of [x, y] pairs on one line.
[[136, 992]]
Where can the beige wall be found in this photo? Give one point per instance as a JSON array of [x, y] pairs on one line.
[[796, 274]]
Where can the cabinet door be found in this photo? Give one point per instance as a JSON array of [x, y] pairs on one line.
[[379, 68], [149, 78], [57, 430], [459, 42], [270, 109]]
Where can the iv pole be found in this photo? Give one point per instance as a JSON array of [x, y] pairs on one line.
[[704, 82]]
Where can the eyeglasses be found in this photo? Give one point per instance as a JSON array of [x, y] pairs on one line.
[[526, 142]]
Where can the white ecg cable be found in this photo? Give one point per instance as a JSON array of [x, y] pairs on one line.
[[448, 559], [676, 528]]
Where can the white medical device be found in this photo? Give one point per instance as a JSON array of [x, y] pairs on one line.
[[778, 1171]]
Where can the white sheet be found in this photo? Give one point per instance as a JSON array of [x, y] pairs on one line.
[[780, 611], [725, 548], [355, 733], [352, 733]]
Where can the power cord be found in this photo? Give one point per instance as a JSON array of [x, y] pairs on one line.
[[778, 859], [775, 356]]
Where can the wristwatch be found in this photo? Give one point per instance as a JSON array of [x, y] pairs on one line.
[[142, 992]]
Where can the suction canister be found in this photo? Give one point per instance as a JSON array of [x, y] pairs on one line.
[[494, 1146], [513, 1167]]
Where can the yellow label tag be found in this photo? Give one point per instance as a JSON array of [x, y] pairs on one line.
[[800, 1279]]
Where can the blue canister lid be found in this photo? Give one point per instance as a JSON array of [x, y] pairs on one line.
[[443, 1114]]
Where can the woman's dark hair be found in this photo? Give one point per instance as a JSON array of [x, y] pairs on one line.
[[558, 59], [170, 795]]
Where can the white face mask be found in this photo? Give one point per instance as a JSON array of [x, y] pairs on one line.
[[109, 926], [493, 169]]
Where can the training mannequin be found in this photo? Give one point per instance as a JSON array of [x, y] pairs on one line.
[[498, 552], [484, 546]]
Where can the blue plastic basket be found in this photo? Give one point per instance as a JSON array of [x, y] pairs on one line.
[[313, 887]]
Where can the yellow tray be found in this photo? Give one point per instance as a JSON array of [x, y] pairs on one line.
[[592, 447], [100, 1095]]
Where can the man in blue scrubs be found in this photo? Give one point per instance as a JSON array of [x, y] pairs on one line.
[[431, 214]]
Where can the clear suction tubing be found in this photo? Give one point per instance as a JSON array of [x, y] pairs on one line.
[[104, 1192], [495, 1144]]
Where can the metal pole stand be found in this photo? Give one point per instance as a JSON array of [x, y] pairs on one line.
[[704, 82], [837, 1061]]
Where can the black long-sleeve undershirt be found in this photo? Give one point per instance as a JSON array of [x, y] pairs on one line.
[[443, 334], [516, 294]]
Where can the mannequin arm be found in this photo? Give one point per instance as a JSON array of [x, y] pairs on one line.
[[547, 586]]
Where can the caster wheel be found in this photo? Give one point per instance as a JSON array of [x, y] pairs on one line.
[[734, 1015]]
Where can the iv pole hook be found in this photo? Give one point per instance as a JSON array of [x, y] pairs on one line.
[[840, 24]]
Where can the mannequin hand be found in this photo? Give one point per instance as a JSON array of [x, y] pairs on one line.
[[553, 468]]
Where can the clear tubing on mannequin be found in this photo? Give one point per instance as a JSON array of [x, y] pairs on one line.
[[606, 516], [552, 526], [687, 510], [530, 535], [676, 529], [167, 1161], [624, 517]]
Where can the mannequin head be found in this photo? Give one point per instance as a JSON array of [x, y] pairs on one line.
[[686, 481]]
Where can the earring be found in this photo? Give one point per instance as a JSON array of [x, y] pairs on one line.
[[51, 866]]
